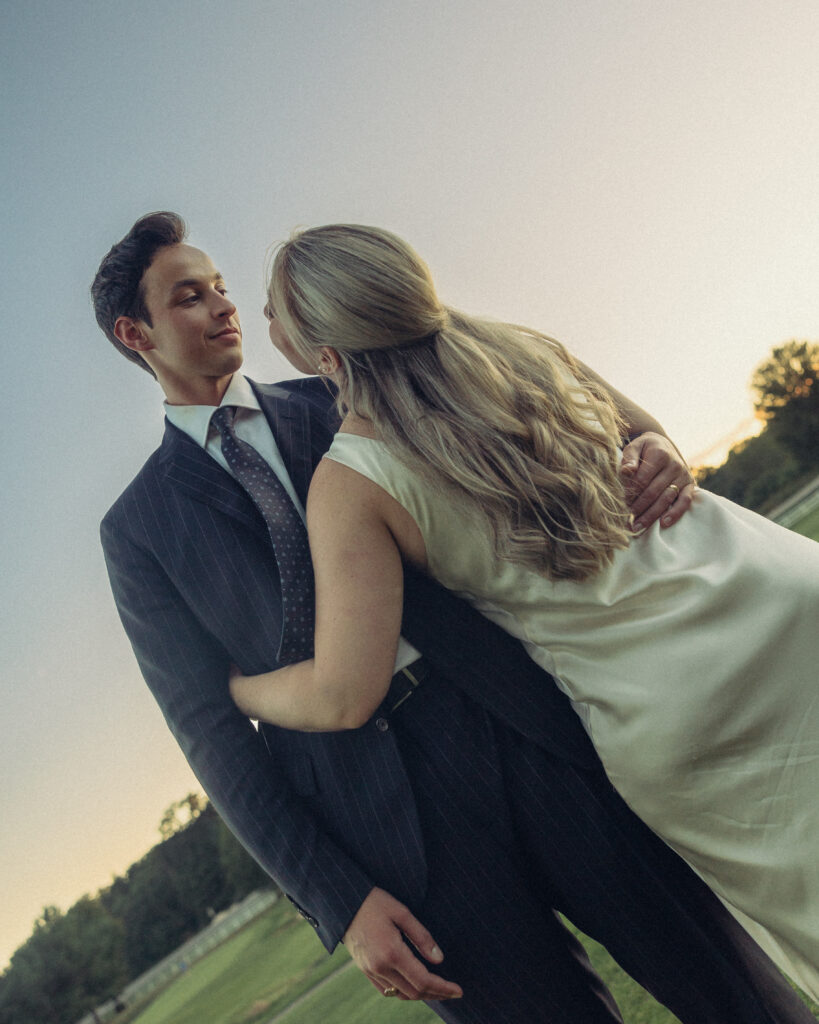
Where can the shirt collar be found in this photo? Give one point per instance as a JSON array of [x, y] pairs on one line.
[[194, 420]]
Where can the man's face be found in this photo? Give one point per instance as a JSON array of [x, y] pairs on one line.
[[195, 338]]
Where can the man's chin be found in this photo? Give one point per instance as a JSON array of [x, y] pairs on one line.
[[233, 363]]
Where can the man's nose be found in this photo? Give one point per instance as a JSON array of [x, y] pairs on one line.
[[223, 307]]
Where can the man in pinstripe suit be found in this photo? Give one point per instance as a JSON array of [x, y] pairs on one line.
[[471, 802]]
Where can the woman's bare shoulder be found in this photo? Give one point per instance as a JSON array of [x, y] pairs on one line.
[[336, 485]]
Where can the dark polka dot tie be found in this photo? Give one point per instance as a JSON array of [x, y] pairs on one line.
[[287, 532]]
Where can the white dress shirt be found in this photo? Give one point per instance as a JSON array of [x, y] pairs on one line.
[[249, 422], [251, 426]]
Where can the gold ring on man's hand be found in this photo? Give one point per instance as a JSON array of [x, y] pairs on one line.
[[674, 488], [391, 991]]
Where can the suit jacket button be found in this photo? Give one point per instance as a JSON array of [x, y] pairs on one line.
[[382, 724]]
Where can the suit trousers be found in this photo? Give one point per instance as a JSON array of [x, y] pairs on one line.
[[513, 834]]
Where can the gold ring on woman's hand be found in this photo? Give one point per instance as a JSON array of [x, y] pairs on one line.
[[391, 991], [674, 488]]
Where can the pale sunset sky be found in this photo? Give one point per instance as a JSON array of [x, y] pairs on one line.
[[636, 177]]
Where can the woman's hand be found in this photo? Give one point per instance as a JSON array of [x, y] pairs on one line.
[[659, 484]]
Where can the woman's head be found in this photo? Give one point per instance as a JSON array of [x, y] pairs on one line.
[[352, 288], [491, 410]]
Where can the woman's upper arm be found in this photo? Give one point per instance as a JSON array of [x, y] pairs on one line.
[[359, 588], [636, 418]]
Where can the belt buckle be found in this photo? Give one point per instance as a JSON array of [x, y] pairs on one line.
[[415, 683]]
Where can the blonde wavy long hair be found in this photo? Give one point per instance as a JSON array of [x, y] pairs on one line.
[[496, 412]]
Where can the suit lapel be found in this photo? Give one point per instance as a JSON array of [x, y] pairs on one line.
[[190, 468], [302, 439]]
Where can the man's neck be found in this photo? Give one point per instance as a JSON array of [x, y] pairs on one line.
[[198, 391]]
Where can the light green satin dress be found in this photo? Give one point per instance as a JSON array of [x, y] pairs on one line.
[[693, 662]]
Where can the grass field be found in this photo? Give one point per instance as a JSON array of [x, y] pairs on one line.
[[250, 977], [348, 1001], [263, 970], [276, 970]]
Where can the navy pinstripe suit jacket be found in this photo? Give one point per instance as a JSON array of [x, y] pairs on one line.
[[192, 569]]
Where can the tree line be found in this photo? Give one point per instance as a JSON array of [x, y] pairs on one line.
[[77, 960], [761, 470]]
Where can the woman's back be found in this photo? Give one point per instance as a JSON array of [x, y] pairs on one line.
[[691, 661]]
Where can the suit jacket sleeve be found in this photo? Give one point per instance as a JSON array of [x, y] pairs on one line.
[[187, 671]]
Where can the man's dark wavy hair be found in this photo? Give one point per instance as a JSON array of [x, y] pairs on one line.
[[118, 289]]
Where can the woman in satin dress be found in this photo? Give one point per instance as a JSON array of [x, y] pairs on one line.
[[482, 453]]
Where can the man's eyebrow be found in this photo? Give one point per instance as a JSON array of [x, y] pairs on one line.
[[192, 282]]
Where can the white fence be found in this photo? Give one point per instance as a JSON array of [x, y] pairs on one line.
[[798, 505], [221, 928]]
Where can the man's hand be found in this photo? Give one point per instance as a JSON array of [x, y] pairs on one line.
[[658, 482], [375, 941]]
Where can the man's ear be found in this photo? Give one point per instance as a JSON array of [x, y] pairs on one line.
[[131, 333], [329, 360]]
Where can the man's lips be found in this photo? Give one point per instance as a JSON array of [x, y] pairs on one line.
[[227, 332]]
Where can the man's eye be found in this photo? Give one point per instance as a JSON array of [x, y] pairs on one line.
[[188, 300]]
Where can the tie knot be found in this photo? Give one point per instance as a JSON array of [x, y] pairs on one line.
[[223, 418]]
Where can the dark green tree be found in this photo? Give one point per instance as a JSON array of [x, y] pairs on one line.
[[180, 814], [155, 919], [75, 961], [174, 890], [762, 470], [787, 397], [241, 872], [71, 963], [756, 472]]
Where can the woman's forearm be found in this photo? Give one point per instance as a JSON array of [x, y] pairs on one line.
[[297, 697], [635, 418], [359, 599]]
